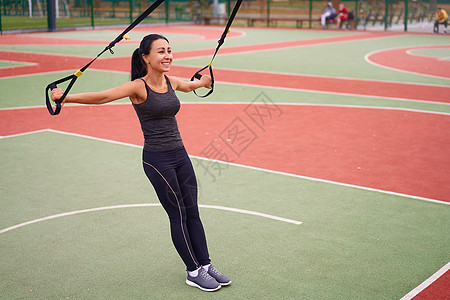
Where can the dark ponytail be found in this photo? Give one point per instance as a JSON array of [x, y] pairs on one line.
[[138, 66]]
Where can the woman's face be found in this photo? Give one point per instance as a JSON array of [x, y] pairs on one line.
[[160, 56]]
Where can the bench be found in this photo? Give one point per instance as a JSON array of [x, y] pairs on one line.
[[273, 22], [251, 21]]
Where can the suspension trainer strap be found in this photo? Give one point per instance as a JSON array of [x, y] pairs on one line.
[[78, 73], [197, 75]]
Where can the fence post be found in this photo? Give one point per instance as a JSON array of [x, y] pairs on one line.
[[92, 13], [167, 2], [268, 13], [406, 15], [386, 12], [1, 30], [51, 15], [310, 13], [131, 11]]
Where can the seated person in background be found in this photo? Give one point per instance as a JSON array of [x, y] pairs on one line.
[[441, 18], [329, 13], [342, 15]]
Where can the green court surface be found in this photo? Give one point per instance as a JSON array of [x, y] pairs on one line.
[[351, 242], [95, 227]]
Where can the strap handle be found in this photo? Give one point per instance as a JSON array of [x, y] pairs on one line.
[[58, 102], [78, 73], [198, 76]]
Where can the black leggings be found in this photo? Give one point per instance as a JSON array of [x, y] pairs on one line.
[[172, 175]]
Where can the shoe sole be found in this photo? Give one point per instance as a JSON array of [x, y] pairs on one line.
[[191, 283], [224, 283]]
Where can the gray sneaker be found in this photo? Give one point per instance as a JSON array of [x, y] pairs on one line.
[[220, 278], [203, 281]]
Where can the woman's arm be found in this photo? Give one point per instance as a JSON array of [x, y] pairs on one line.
[[189, 86], [127, 89]]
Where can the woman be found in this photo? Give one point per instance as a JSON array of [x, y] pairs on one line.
[[165, 160]]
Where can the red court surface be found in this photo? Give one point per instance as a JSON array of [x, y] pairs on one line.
[[399, 151]]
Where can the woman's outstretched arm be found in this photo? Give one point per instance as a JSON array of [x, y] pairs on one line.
[[189, 86], [127, 89]]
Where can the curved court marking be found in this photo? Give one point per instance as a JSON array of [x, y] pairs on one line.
[[397, 51], [237, 210]]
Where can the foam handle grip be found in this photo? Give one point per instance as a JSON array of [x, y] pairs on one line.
[[198, 76]]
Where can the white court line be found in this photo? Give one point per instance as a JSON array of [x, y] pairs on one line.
[[237, 210], [325, 181], [426, 283], [250, 212], [20, 64], [24, 133], [249, 167]]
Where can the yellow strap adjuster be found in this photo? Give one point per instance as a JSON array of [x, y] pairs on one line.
[[126, 36], [78, 73]]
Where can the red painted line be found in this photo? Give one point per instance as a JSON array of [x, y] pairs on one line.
[[399, 151], [372, 88], [279, 45], [400, 59], [44, 63]]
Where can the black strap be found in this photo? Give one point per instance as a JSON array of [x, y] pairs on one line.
[[197, 74], [78, 73]]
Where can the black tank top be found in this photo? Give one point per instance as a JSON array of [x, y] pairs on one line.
[[157, 117]]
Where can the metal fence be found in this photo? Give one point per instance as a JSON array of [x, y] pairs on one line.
[[400, 15]]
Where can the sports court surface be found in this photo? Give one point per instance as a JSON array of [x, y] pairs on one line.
[[323, 161]]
